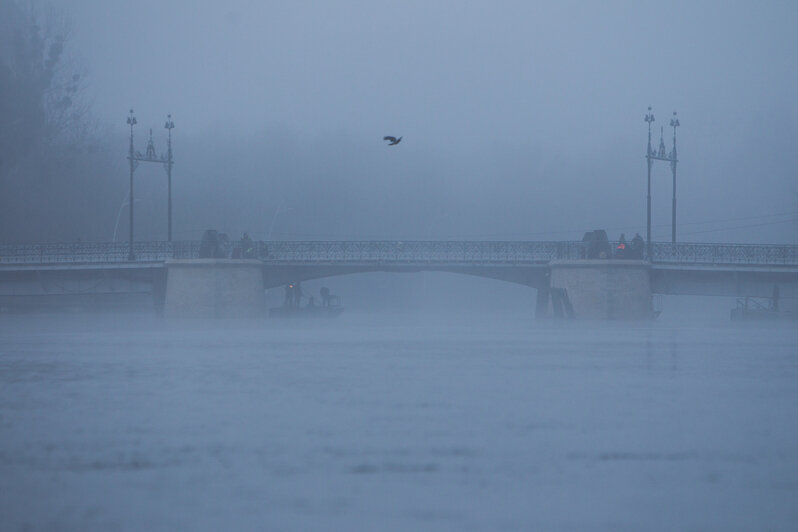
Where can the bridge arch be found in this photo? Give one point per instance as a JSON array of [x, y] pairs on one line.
[[534, 276]]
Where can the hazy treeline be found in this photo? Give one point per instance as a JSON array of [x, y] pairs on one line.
[[54, 164]]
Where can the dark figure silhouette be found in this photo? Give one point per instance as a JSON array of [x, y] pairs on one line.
[[247, 247], [620, 250], [325, 296], [597, 246], [297, 294], [289, 295], [210, 247], [392, 141], [636, 247]]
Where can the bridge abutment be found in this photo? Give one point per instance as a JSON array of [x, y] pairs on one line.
[[603, 289], [214, 288]]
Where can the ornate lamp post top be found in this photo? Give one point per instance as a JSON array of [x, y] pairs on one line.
[[649, 117], [675, 121], [674, 124], [169, 126]]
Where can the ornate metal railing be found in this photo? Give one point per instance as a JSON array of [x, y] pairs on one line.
[[393, 252], [719, 254], [95, 252], [419, 252]]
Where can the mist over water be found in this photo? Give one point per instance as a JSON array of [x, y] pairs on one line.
[[455, 421], [436, 401]]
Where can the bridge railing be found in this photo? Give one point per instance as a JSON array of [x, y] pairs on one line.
[[719, 254], [394, 252], [95, 252], [419, 251]]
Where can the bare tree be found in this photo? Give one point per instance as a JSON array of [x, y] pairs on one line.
[[49, 157]]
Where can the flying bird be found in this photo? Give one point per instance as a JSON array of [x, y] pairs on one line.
[[392, 141]]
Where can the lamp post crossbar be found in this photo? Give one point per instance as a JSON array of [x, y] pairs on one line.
[[660, 155], [136, 157]]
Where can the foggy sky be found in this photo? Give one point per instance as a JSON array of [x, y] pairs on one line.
[[525, 120]]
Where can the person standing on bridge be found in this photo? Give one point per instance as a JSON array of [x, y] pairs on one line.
[[247, 247], [620, 251], [636, 247]]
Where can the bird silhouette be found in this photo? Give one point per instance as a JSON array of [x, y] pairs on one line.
[[392, 141]]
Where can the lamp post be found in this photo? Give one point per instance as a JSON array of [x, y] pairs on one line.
[[674, 124], [131, 120], [649, 152], [151, 157], [169, 126], [660, 155]]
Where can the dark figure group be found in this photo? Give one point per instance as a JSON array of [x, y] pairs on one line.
[[293, 295], [214, 245], [325, 296], [633, 250]]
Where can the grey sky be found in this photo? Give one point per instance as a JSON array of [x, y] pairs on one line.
[[477, 84]]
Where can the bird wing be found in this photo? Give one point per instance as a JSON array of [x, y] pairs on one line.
[[392, 139]]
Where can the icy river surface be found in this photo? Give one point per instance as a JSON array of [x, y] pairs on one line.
[[409, 422]]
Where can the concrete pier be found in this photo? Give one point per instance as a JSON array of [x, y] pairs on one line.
[[604, 289], [214, 288]]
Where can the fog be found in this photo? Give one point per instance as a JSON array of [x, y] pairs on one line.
[[436, 401], [519, 120]]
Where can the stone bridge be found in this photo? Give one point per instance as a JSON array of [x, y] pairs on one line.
[[556, 269]]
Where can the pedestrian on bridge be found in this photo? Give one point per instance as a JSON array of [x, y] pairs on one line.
[[247, 247], [636, 247], [620, 251]]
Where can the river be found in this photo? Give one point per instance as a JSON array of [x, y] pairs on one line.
[[396, 422]]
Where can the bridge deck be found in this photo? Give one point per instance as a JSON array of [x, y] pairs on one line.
[[82, 254], [705, 269]]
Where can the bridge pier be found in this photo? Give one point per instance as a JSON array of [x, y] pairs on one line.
[[214, 288], [603, 289]]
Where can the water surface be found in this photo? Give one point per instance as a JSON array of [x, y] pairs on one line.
[[396, 422]]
